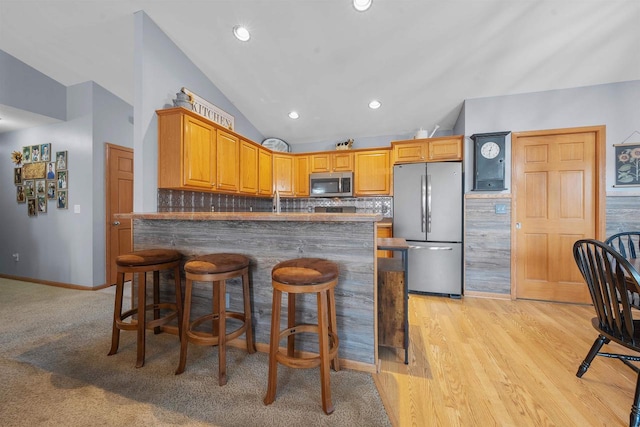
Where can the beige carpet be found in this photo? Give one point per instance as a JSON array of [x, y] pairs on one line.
[[54, 371]]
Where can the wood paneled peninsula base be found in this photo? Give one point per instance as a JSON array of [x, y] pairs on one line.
[[267, 239]]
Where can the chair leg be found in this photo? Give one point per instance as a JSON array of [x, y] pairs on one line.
[[178, 291], [251, 345], [634, 418], [323, 342], [273, 347], [117, 314], [595, 348], [222, 334], [142, 301], [186, 324]]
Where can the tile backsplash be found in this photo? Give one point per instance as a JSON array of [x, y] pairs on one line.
[[194, 201]]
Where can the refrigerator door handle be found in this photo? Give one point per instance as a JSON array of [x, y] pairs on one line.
[[432, 248], [428, 203], [423, 199]]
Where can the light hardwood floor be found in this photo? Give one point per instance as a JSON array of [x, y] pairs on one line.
[[491, 362]]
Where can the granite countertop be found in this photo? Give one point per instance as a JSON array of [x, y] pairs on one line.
[[254, 216]]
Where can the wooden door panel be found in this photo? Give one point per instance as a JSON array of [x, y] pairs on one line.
[[556, 194], [119, 199]]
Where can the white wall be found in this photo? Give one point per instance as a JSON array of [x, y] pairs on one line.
[[615, 105], [161, 70]]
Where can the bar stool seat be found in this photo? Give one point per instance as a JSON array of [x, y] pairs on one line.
[[216, 268], [303, 276], [142, 262]]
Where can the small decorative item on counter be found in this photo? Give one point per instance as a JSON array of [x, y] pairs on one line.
[[16, 157], [344, 145]]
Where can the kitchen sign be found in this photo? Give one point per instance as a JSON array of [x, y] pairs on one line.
[[206, 109]]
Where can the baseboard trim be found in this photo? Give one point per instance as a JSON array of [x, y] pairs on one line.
[[490, 295], [56, 284]]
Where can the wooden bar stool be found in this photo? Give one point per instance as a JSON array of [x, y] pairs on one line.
[[142, 262], [301, 276], [216, 268]]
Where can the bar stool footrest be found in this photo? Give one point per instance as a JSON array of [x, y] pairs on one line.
[[208, 338], [300, 362], [152, 323]]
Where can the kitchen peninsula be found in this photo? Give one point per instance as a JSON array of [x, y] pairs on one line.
[[268, 238]]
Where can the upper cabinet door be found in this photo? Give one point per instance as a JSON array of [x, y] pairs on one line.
[[320, 162], [283, 174], [342, 161], [186, 152], [265, 172], [248, 167], [301, 170], [372, 173], [228, 161]]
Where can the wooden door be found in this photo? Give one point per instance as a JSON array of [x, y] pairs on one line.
[[558, 188], [119, 199]]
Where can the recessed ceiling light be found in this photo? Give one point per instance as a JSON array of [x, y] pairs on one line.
[[362, 5], [241, 33], [375, 104], [294, 115]]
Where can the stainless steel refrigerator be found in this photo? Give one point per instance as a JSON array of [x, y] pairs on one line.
[[427, 212]]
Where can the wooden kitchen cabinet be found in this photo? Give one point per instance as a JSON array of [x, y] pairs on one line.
[[186, 151], [372, 176], [228, 162], [265, 172], [385, 230], [341, 161], [283, 170], [444, 148], [301, 173], [248, 167]]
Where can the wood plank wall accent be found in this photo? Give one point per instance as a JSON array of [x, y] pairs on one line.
[[487, 245], [350, 244], [623, 213]]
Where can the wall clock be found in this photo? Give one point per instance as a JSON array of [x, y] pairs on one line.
[[489, 161], [276, 144]]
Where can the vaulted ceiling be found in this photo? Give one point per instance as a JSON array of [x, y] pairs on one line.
[[420, 58]]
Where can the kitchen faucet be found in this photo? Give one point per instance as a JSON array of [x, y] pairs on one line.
[[276, 201]]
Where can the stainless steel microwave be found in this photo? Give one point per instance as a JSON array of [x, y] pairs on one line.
[[336, 184]]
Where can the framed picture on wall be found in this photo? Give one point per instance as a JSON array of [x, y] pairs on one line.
[[62, 179], [40, 187], [26, 155], [17, 175], [29, 188], [51, 170], [42, 204], [35, 153], [62, 199], [51, 189], [31, 207], [20, 196], [627, 165], [61, 160], [45, 152]]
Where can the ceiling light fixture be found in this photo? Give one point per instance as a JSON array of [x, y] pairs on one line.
[[375, 104], [293, 115], [362, 5], [241, 33]]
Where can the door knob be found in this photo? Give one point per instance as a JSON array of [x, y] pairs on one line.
[[518, 226], [116, 223]]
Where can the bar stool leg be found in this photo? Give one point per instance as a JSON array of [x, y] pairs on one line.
[[186, 314], [222, 338], [323, 337], [178, 291], [333, 325], [142, 301], [251, 345], [273, 347], [117, 314], [291, 322], [156, 299]]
